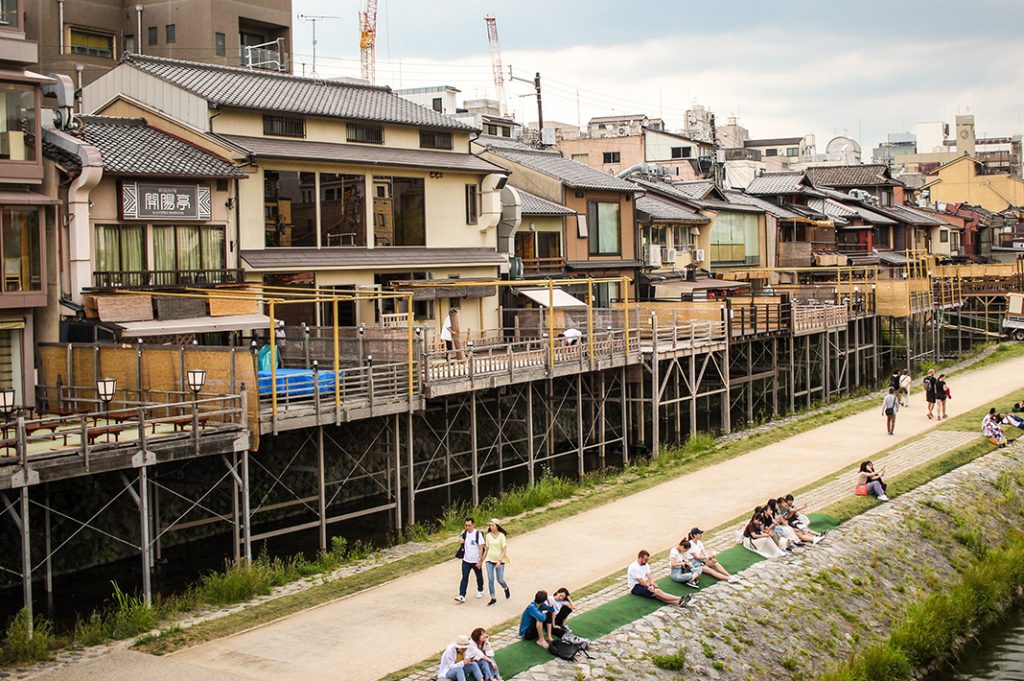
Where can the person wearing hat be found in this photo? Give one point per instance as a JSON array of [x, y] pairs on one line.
[[496, 557], [700, 557], [454, 665]]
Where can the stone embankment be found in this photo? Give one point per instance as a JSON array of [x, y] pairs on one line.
[[793, 616]]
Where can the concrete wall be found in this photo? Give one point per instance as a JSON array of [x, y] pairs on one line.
[[959, 182]]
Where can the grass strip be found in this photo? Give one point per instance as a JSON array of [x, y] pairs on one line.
[[590, 492]]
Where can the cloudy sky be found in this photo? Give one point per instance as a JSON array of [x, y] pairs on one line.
[[785, 68]]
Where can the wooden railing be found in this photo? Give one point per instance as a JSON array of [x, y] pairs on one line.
[[543, 265], [818, 317], [155, 279]]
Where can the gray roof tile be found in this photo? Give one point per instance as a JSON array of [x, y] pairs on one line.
[[271, 147], [867, 175], [361, 258], [683, 191], [535, 205], [663, 211], [571, 173], [767, 206], [270, 91], [777, 183], [130, 147]]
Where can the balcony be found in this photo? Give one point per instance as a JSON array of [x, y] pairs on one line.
[[1011, 240], [169, 279], [269, 56], [542, 266]]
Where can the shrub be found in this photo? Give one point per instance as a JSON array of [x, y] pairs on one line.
[[674, 662], [28, 639], [239, 582], [92, 631], [131, 615], [882, 663]]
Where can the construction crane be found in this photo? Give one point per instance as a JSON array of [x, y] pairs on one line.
[[367, 40], [499, 75]]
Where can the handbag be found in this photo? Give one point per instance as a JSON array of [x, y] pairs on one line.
[[460, 553], [861, 491], [889, 411]]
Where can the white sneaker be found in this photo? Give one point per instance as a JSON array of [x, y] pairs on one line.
[[817, 539], [460, 599], [733, 579], [882, 497], [479, 594]]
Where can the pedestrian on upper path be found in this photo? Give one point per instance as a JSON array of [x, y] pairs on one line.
[[929, 391], [496, 557], [472, 556], [894, 381], [891, 405], [942, 393], [904, 391]]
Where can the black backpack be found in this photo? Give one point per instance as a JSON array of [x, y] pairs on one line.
[[566, 650]]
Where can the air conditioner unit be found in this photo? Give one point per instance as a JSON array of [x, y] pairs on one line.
[[671, 256], [698, 255], [653, 255]]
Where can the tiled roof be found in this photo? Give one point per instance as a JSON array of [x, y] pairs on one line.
[[500, 142], [663, 211], [834, 208], [535, 205], [571, 173], [773, 142], [910, 216], [868, 175], [359, 258], [767, 206], [777, 183], [363, 154], [695, 189], [683, 191], [269, 91], [130, 147]]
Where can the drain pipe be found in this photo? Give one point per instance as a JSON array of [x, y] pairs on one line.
[[60, 20], [138, 28]]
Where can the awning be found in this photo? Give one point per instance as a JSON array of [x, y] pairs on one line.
[[172, 327], [560, 298]]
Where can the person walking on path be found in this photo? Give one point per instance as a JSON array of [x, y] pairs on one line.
[[905, 381], [891, 405], [454, 665], [639, 582], [496, 557], [929, 391], [472, 549], [941, 395], [894, 381], [449, 329]]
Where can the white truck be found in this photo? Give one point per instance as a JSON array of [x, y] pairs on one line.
[[1013, 322]]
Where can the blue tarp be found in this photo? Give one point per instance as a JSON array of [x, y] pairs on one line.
[[296, 382]]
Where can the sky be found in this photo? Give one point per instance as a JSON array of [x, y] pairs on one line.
[[784, 68]]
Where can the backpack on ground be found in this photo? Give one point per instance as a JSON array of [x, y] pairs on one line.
[[565, 650]]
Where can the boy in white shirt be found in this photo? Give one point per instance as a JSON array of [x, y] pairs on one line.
[[638, 579]]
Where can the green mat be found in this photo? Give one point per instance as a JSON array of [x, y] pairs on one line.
[[604, 619]]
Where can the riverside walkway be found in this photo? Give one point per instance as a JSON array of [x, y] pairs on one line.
[[373, 633]]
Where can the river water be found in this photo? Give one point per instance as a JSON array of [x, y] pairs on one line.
[[998, 654]]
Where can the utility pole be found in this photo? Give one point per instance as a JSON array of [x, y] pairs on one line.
[[536, 87], [313, 18]]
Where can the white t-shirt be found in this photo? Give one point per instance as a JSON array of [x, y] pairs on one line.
[[472, 545], [677, 556], [556, 604], [696, 549], [905, 381], [446, 328], [635, 572]]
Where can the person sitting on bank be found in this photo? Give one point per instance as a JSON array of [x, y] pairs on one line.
[[795, 514], [536, 622], [481, 652], [639, 582], [682, 570], [992, 429], [700, 557], [869, 482], [454, 665], [562, 605], [796, 520], [756, 539]]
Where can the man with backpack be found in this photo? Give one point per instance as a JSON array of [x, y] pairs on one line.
[[929, 391], [471, 553]]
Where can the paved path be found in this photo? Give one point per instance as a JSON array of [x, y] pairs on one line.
[[344, 639]]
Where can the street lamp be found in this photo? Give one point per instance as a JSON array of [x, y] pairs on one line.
[[105, 388], [196, 379]]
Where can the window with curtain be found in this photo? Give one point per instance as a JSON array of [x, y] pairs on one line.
[[735, 239], [188, 247], [605, 228], [19, 248], [120, 248]]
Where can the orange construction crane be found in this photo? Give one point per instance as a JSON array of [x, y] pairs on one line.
[[368, 40], [499, 72]]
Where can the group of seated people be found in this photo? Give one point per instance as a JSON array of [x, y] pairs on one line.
[[992, 424], [778, 527], [469, 657]]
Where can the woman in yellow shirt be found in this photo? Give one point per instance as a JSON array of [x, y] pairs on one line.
[[495, 557]]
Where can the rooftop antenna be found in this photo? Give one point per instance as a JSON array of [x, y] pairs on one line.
[[499, 75], [313, 18]]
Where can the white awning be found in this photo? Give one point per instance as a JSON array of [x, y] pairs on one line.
[[560, 298], [171, 327]]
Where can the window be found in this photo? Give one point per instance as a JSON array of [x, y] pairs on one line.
[[120, 248], [399, 214], [605, 228], [436, 105], [188, 247], [18, 122], [10, 15], [19, 250], [284, 126], [152, 37], [771, 152], [289, 207], [490, 129], [169, 32], [605, 294], [342, 210], [792, 152], [296, 314], [472, 209], [431, 139], [219, 44], [581, 158], [944, 236], [91, 44], [682, 152], [735, 239], [129, 43], [366, 134], [611, 157]]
